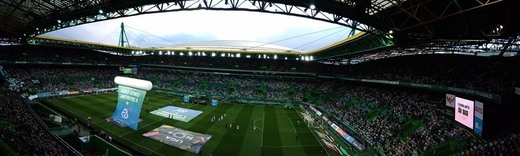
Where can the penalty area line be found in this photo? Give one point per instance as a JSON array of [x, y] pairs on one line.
[[319, 141], [142, 127], [108, 130], [295, 146], [263, 124], [131, 141], [254, 123]]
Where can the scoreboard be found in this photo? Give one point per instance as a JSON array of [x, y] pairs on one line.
[[469, 113], [129, 70]]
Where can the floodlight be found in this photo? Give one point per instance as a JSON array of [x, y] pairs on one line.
[[312, 6]]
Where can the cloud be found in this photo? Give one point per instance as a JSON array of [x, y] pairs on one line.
[[163, 29], [170, 40]]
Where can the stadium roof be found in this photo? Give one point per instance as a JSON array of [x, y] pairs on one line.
[[413, 22], [40, 16], [25, 16], [173, 28]]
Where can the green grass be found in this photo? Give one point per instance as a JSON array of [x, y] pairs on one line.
[[276, 132], [5, 149]]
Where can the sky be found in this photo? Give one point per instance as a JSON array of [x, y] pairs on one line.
[[171, 28]]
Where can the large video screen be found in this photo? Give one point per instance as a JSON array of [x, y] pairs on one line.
[[128, 70], [464, 111]]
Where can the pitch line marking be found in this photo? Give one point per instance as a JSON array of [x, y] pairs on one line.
[[142, 127], [263, 124], [294, 127], [319, 141], [254, 123], [112, 145], [54, 111], [131, 141], [295, 146]]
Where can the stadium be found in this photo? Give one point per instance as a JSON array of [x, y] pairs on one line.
[[259, 77]]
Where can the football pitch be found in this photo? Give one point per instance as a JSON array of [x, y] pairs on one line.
[[280, 131]]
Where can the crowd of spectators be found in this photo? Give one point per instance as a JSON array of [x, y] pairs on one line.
[[55, 79], [353, 104], [32, 80], [23, 133], [509, 145], [490, 74], [397, 107], [380, 54], [259, 86]]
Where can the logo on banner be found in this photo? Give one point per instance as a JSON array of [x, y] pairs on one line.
[[176, 137], [129, 105], [479, 117], [124, 113], [479, 110], [450, 100], [177, 113]]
